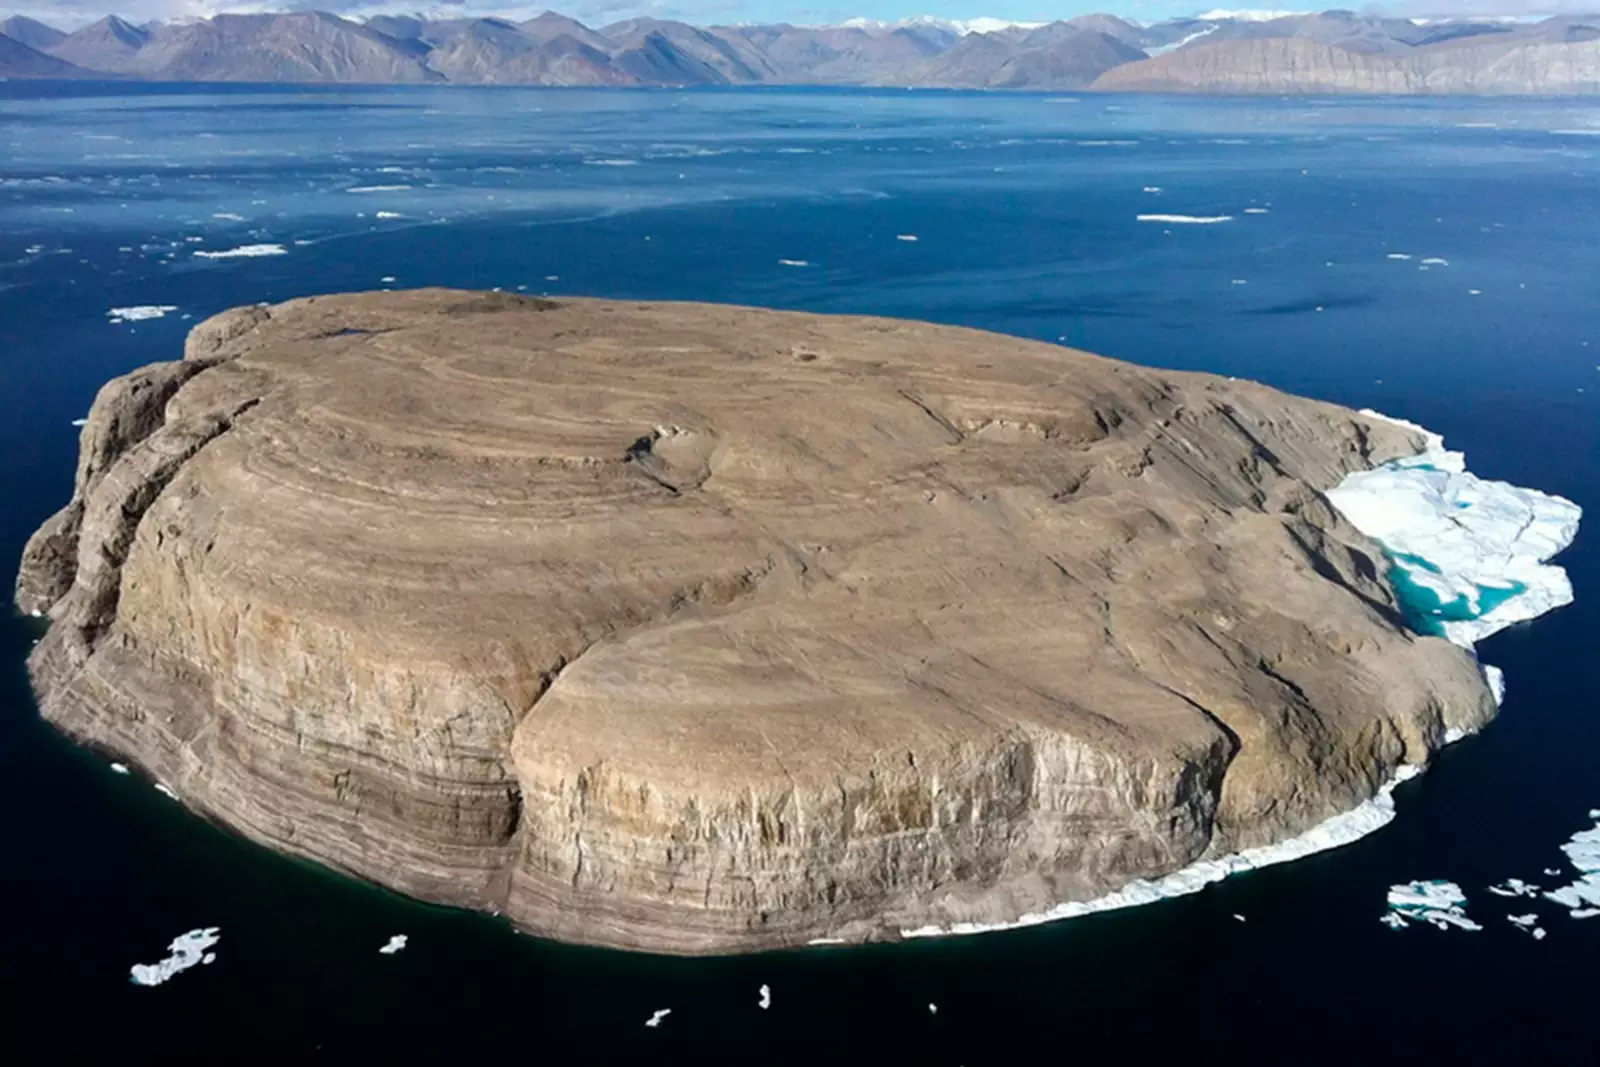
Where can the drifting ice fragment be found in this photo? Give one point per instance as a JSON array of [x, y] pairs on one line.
[[185, 951], [1514, 887], [766, 997], [119, 768], [393, 945], [655, 1019], [1435, 902], [1582, 896]]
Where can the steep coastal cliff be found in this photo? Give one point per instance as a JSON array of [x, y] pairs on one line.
[[695, 628]]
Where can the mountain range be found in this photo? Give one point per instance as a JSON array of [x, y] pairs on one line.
[[1334, 51]]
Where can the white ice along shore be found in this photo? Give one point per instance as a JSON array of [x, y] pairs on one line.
[[1478, 548], [1469, 554], [186, 951], [1339, 830]]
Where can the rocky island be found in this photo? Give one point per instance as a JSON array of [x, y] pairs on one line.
[[695, 629]]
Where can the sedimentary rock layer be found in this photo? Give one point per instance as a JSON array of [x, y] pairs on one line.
[[695, 629]]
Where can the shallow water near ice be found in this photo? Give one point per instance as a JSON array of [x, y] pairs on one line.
[[1025, 213]]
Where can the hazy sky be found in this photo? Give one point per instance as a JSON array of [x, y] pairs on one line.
[[71, 13]]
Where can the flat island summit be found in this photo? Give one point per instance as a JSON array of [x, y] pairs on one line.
[[693, 628]]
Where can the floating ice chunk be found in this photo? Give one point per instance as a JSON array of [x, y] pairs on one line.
[[80, 422], [1474, 292], [1583, 852], [377, 188], [657, 1016], [1468, 555], [228, 216], [165, 791], [793, 263], [1256, 211], [244, 252], [905, 237], [1529, 923], [1152, 188], [394, 944], [766, 997], [1398, 255], [1339, 830], [1435, 261], [119, 768], [933, 1009], [387, 278], [140, 313], [1435, 902], [389, 215], [1514, 887], [185, 951], [1236, 915], [612, 162], [1191, 220]]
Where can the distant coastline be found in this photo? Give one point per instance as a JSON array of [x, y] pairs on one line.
[[1335, 52]]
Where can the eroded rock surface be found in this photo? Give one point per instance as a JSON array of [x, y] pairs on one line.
[[696, 628]]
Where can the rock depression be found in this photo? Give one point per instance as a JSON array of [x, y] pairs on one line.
[[700, 629]]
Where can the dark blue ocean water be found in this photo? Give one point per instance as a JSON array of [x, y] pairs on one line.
[[1024, 210]]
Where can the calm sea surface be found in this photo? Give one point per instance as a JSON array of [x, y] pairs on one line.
[[1024, 210]]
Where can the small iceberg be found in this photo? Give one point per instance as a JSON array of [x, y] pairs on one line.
[[1514, 887], [766, 998], [1257, 211], [393, 945], [1468, 556], [185, 951], [1582, 896], [657, 1016], [119, 768], [1528, 923], [1187, 220], [244, 252], [1438, 903], [377, 188], [793, 263], [905, 237], [140, 312]]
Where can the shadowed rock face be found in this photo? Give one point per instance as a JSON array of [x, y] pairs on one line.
[[695, 628]]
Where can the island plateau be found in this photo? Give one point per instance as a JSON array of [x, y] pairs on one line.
[[695, 629]]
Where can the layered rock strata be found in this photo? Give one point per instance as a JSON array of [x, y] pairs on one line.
[[699, 629]]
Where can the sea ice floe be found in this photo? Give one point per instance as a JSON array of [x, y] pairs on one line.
[[1528, 923], [1435, 902], [228, 216], [1191, 220], [377, 188], [140, 313], [657, 1016], [185, 951], [244, 252], [1435, 261], [1339, 830], [80, 422], [1256, 211], [1468, 554], [394, 944], [766, 998], [389, 215], [119, 768], [793, 263], [1582, 895], [1152, 188], [1398, 255], [1514, 887], [905, 237]]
